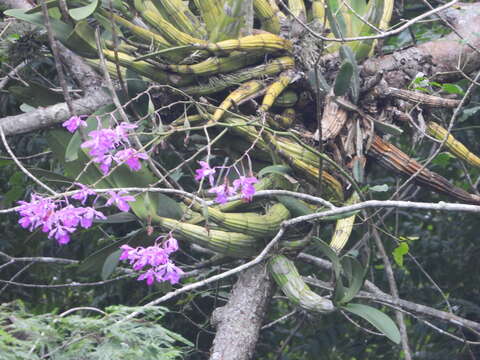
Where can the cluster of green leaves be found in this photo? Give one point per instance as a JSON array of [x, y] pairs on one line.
[[74, 337]]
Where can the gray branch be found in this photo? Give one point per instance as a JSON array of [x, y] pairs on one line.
[[52, 115], [239, 321], [443, 58]]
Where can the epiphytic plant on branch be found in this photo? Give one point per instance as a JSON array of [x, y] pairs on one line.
[[244, 80]]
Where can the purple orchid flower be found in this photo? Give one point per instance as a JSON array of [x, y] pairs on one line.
[[245, 184], [223, 192], [131, 157], [205, 171], [74, 123], [83, 194], [161, 268], [119, 200]]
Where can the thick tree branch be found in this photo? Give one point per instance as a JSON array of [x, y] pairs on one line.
[[52, 115], [239, 322], [16, 4], [443, 58], [87, 78]]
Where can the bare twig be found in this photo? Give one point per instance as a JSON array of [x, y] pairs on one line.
[[394, 291], [12, 73], [56, 57], [39, 259], [19, 164]]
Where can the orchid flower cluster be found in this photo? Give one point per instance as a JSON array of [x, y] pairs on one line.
[[104, 142], [244, 184], [59, 218], [157, 258], [55, 219]]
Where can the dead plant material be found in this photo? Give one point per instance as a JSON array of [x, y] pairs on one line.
[[393, 158]]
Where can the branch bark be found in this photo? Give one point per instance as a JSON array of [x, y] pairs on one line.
[[86, 78], [16, 4], [44, 117], [238, 323], [441, 58]]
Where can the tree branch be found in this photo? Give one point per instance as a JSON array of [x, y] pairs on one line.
[[52, 115], [443, 58], [238, 323], [374, 293]]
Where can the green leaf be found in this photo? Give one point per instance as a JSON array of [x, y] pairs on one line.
[[453, 89], [83, 12], [379, 188], [118, 218], [35, 95], [295, 206], [50, 4], [275, 169], [399, 252], [167, 207], [336, 264], [73, 149], [355, 275], [82, 40], [110, 264], [468, 112], [15, 193], [58, 141], [50, 176], [93, 264], [347, 54], [343, 79], [373, 14], [443, 159], [135, 86], [388, 128], [321, 85], [377, 318], [336, 19], [61, 30]]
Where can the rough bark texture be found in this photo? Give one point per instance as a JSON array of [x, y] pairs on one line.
[[16, 4], [441, 57], [239, 321], [44, 117], [87, 78]]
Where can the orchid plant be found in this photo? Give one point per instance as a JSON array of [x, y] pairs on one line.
[[59, 218]]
